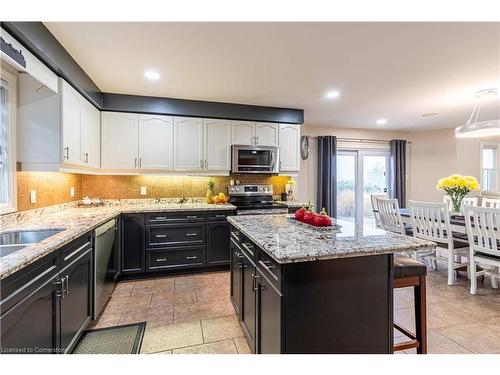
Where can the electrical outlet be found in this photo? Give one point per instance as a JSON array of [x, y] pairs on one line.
[[33, 196], [72, 191], [143, 190]]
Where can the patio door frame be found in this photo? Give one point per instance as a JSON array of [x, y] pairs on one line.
[[359, 178]]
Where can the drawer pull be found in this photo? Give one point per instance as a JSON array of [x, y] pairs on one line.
[[192, 257], [192, 217], [161, 218], [161, 260], [220, 215], [268, 267], [191, 234], [161, 236]]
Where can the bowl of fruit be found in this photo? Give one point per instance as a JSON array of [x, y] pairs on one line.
[[220, 199], [308, 217]]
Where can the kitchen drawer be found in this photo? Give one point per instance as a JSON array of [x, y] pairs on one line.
[[248, 247], [22, 283], [175, 217], [75, 248], [236, 235], [190, 256], [219, 215], [270, 268], [175, 235]]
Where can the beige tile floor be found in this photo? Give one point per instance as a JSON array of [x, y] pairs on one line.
[[192, 314]]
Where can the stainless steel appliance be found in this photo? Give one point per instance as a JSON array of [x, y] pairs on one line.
[[255, 159], [254, 200], [105, 267]]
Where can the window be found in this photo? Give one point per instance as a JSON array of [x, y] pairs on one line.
[[488, 167], [8, 109]]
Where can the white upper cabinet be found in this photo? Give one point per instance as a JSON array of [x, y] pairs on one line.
[[156, 142], [289, 141], [217, 145], [243, 133], [119, 140], [91, 136], [71, 116], [188, 144], [266, 134]]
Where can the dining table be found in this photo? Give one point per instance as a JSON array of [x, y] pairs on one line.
[[457, 223]]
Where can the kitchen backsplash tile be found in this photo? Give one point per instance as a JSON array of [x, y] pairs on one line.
[[51, 188], [54, 187]]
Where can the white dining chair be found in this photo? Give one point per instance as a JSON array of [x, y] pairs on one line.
[[466, 202], [389, 216], [490, 202], [482, 224], [373, 198], [431, 221]]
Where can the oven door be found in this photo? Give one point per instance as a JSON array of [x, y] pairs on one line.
[[255, 159]]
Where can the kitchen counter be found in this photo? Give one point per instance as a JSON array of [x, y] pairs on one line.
[[288, 242], [77, 221]]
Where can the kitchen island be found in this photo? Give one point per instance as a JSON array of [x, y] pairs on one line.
[[301, 290]]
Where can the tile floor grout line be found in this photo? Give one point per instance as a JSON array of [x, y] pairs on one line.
[[449, 338], [202, 335]]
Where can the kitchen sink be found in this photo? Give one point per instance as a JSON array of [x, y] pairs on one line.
[[9, 249], [10, 242]]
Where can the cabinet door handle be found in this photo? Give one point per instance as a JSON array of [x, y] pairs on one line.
[[66, 152], [191, 234], [191, 257], [59, 288], [256, 139], [201, 164], [161, 260], [192, 217], [140, 162], [159, 218], [67, 284], [161, 236], [135, 162], [206, 164], [86, 159], [254, 282]]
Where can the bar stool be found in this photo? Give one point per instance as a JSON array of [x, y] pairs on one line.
[[409, 272]]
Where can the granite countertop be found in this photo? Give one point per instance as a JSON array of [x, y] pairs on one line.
[[292, 203], [289, 242], [77, 221]]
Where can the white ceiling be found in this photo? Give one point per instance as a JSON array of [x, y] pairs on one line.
[[396, 71]]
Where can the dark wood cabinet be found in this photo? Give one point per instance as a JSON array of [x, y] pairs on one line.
[[248, 299], [236, 266], [76, 298], [218, 235], [32, 325], [268, 316], [132, 243]]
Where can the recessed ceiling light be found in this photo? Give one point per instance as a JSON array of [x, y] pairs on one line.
[[429, 114], [332, 94], [152, 75], [381, 121]]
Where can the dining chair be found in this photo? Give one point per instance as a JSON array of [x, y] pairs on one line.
[[390, 216], [373, 198], [466, 202], [482, 224], [490, 202], [431, 221]]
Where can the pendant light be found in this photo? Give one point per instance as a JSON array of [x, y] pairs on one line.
[[474, 128]]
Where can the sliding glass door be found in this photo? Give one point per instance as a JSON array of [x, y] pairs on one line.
[[360, 173]]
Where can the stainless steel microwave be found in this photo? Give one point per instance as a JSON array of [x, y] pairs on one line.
[[255, 159]]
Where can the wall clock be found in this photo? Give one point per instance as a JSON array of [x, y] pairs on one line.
[[304, 147]]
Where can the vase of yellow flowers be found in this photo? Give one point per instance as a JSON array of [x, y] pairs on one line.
[[457, 187]]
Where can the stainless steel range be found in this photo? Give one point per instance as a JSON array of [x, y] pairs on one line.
[[254, 200]]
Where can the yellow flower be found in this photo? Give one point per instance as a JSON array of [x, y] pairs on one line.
[[457, 182]]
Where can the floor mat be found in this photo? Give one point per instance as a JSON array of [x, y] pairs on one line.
[[125, 339]]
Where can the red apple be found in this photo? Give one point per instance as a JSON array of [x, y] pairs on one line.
[[299, 214]]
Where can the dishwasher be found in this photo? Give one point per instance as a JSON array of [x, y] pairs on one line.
[[105, 267]]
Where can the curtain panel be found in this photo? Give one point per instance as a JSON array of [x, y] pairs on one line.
[[398, 171], [327, 175]]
